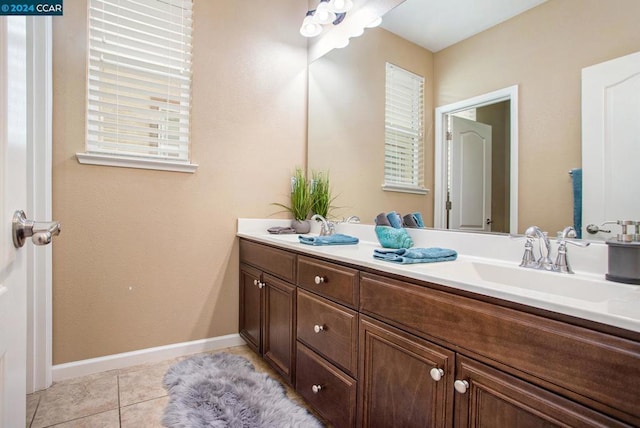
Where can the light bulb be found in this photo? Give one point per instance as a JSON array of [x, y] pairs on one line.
[[310, 28], [340, 6], [323, 15]]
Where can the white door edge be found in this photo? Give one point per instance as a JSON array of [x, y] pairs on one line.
[[39, 202]]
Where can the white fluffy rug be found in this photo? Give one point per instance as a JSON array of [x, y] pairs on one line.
[[224, 390]]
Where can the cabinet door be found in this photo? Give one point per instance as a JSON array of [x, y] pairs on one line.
[[250, 321], [496, 399], [278, 334], [395, 386]]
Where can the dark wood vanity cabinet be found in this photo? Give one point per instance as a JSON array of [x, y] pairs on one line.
[[375, 351], [268, 304], [395, 384], [493, 398], [327, 334]]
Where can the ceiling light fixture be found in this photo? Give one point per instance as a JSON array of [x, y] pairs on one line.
[[309, 27], [328, 12]]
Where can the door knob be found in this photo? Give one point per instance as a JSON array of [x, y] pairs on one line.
[[41, 232]]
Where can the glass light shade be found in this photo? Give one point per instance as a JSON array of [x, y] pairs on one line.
[[340, 6], [323, 15], [310, 28], [377, 21], [342, 43]]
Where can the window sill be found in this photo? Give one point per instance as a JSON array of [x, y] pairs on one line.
[[126, 162], [405, 189]]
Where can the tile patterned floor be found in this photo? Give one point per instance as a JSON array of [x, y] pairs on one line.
[[131, 397]]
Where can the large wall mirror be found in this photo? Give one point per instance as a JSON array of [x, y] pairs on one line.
[[541, 51]]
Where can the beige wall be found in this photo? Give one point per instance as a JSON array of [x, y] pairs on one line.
[[148, 258], [542, 51], [346, 123]]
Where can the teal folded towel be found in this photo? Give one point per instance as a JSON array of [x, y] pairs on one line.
[[395, 219], [337, 239], [390, 237], [416, 255]]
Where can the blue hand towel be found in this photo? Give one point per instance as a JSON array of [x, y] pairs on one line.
[[390, 237], [395, 219], [337, 239], [576, 178], [416, 255], [418, 218]]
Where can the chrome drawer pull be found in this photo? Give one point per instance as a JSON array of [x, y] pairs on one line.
[[318, 279], [318, 328], [436, 373], [316, 388]]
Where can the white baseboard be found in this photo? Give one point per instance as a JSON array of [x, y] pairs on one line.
[[142, 356]]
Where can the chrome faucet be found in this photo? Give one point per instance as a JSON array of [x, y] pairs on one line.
[[327, 228], [352, 219], [562, 262], [544, 262]]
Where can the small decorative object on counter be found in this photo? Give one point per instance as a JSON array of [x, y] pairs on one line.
[[390, 233], [624, 253]]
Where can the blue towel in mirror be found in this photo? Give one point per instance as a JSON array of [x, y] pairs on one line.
[[576, 179], [416, 255], [337, 239]]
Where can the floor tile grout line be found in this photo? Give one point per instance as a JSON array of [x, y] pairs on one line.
[[119, 408], [33, 418]]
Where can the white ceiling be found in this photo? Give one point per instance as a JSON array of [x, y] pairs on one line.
[[437, 24]]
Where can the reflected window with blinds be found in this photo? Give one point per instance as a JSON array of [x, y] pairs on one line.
[[404, 131], [139, 84]]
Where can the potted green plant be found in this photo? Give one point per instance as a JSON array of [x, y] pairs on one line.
[[321, 193], [301, 202]]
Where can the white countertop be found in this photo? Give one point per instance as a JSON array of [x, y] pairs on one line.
[[584, 295]]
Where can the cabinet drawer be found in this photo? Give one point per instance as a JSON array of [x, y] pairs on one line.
[[575, 361], [336, 398], [329, 329], [278, 262], [335, 282]]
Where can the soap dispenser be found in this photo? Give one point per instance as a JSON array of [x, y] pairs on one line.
[[624, 253]]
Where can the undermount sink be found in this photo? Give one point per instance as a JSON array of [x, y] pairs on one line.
[[566, 285]]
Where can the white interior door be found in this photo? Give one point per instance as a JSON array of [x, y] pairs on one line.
[[13, 196], [610, 143], [470, 175]]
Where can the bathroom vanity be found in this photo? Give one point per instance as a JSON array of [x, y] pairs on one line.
[[366, 345]]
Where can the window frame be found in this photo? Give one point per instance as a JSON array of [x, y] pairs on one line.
[[414, 130], [133, 158]]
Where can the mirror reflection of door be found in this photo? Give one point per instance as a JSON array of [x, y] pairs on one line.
[[478, 163], [469, 204]]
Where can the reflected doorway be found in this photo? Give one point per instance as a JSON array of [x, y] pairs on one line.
[[476, 164]]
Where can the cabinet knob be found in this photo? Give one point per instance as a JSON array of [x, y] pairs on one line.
[[256, 282], [316, 388], [318, 328], [261, 284], [319, 279], [461, 386], [436, 373]]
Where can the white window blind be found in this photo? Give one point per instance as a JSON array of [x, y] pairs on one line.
[[139, 79], [404, 130]]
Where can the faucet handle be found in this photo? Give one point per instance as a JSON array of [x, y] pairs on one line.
[[527, 258]]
